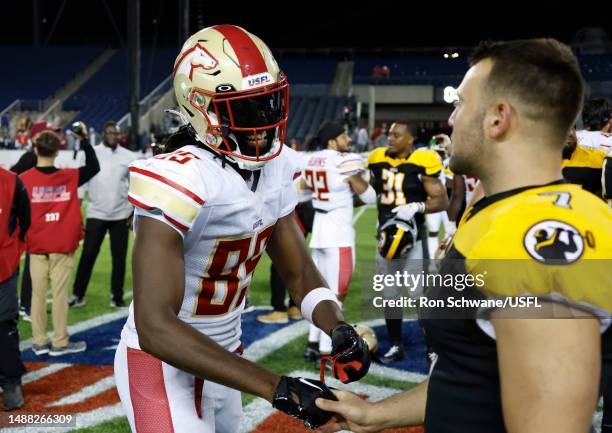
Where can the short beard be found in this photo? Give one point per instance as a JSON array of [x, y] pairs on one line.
[[470, 160]]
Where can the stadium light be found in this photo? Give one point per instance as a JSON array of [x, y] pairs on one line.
[[450, 94], [455, 55], [445, 55]]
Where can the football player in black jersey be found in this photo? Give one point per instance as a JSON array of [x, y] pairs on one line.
[[500, 369]]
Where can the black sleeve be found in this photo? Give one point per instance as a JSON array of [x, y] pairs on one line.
[[92, 166], [20, 210], [26, 162], [607, 178]]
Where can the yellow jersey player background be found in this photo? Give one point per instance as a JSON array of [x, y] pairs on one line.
[[408, 186], [502, 369], [583, 165]]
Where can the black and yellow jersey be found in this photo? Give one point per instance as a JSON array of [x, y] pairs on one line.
[[583, 167], [606, 178], [397, 181], [552, 243]]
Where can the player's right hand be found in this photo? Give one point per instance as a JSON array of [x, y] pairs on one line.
[[407, 211], [296, 397], [351, 412]]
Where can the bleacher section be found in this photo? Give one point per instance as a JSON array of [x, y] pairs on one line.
[[310, 105], [596, 67], [308, 71], [416, 70], [37, 73], [308, 111], [105, 96], [441, 72]]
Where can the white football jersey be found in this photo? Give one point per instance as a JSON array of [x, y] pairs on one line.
[[225, 228], [325, 175], [471, 183], [595, 140]]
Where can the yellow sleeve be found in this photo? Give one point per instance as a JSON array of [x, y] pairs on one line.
[[375, 156], [431, 161], [550, 251]]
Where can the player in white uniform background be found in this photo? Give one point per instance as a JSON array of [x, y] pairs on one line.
[[205, 213], [435, 221], [597, 123], [333, 175]]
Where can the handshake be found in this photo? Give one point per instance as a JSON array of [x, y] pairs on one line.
[[296, 396]]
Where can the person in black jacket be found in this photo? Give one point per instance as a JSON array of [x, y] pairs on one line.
[[11, 367]]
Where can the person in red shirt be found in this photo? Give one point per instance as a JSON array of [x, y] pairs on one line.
[[14, 211], [54, 236]]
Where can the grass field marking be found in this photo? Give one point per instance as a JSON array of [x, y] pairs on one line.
[[273, 342], [360, 212], [88, 392], [83, 420], [85, 325], [35, 375]]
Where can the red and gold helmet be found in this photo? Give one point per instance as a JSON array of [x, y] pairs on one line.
[[231, 90]]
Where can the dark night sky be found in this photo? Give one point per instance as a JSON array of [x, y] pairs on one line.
[[304, 24]]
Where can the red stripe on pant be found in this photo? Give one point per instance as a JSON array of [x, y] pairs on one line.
[[148, 393], [199, 383], [345, 271], [299, 223]]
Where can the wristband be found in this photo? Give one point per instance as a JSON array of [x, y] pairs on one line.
[[313, 298]]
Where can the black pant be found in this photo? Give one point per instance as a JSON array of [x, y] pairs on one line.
[[278, 291], [11, 367], [26, 285], [305, 214], [94, 235]]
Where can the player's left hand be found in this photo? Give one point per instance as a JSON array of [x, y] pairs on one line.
[[408, 211], [350, 354]]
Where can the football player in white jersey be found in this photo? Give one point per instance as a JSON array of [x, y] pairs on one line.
[[597, 122], [440, 219], [204, 215], [333, 175]]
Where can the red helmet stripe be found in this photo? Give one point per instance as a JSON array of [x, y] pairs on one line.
[[249, 57]]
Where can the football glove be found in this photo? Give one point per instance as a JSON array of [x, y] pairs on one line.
[[408, 211], [350, 357], [296, 397]]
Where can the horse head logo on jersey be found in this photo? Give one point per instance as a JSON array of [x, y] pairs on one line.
[[195, 57], [230, 89]]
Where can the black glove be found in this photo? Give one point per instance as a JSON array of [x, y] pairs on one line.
[[296, 397], [350, 354]]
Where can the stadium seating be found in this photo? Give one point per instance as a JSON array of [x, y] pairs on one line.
[[37, 73], [105, 96], [308, 70], [441, 71], [307, 112], [412, 70]]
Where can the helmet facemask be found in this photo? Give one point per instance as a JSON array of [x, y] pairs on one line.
[[247, 126]]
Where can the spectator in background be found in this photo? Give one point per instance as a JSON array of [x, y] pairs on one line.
[[108, 210], [14, 210], [22, 138], [379, 136], [26, 162], [93, 136], [363, 139], [54, 236]]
